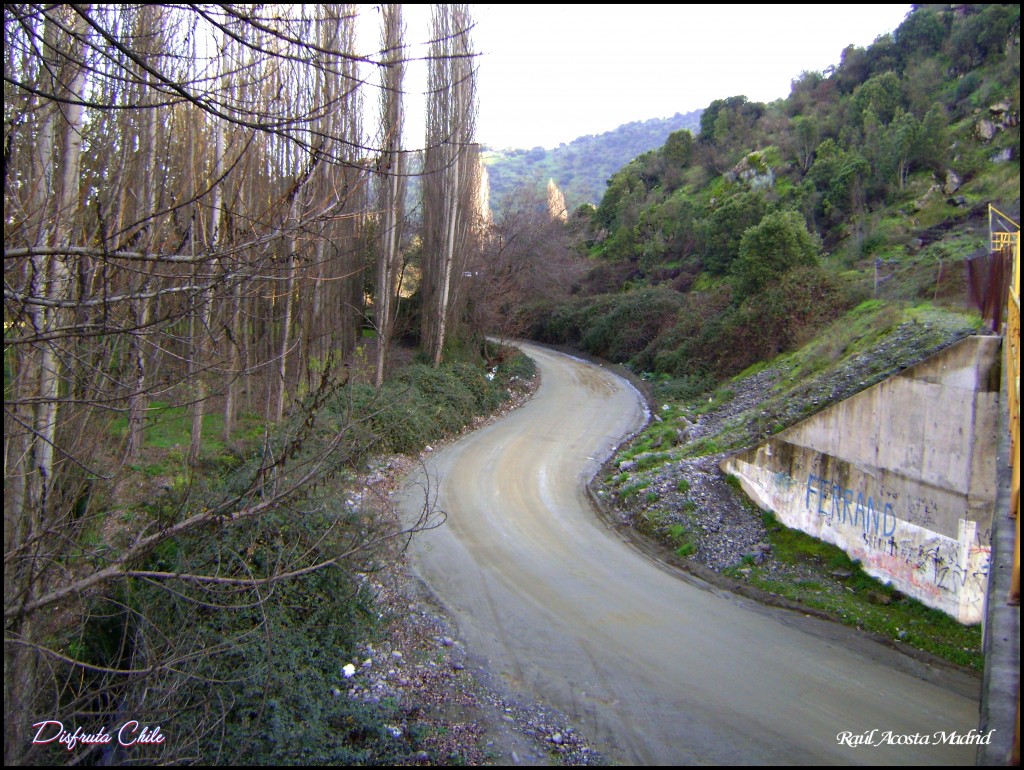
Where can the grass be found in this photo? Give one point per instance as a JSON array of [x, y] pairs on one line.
[[702, 447], [814, 573], [681, 538], [635, 488], [168, 427]]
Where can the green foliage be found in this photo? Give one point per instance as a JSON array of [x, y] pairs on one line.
[[257, 674], [277, 657], [840, 177], [632, 490], [787, 313], [680, 537], [729, 122], [983, 34], [880, 95], [684, 387], [616, 327], [703, 447], [769, 250], [724, 228], [424, 404], [678, 148], [921, 33]]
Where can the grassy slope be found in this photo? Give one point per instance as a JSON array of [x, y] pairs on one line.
[[873, 341]]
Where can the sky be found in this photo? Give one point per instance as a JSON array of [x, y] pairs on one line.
[[551, 73]]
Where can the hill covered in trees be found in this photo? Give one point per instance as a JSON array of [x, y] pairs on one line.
[[871, 181], [582, 167]]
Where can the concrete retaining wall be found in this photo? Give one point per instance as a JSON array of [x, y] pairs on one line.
[[901, 476]]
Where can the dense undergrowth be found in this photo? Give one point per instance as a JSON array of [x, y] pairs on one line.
[[244, 663]]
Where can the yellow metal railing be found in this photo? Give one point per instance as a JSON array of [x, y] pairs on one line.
[[1004, 234]]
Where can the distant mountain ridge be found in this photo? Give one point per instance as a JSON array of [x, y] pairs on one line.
[[582, 167]]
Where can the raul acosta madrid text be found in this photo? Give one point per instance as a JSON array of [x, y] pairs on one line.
[[131, 733], [889, 738]]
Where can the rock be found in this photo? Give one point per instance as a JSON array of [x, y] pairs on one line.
[[627, 466], [952, 183], [1003, 156], [754, 170], [841, 574], [985, 130]]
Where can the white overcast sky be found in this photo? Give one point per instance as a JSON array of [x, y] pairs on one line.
[[551, 73]]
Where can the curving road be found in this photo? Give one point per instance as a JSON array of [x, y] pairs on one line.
[[654, 667]]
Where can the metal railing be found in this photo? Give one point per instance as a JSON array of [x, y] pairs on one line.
[[1004, 234]]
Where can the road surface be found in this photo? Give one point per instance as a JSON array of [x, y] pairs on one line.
[[654, 667]]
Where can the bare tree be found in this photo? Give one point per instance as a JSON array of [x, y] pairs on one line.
[[391, 168], [52, 218], [528, 257], [186, 192], [450, 172]]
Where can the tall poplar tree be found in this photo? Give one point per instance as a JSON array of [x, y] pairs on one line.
[[451, 169]]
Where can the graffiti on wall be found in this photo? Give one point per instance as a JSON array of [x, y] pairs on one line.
[[841, 506], [896, 544]]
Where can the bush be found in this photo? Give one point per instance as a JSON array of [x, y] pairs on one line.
[[772, 248]]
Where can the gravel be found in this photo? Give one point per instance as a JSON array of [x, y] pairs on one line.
[[690, 500]]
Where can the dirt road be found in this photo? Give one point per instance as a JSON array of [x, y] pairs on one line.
[[654, 667]]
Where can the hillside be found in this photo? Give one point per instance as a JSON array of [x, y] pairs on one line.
[[872, 182], [666, 483], [582, 167], [787, 256]]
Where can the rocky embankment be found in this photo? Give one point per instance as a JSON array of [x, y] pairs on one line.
[[679, 500]]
